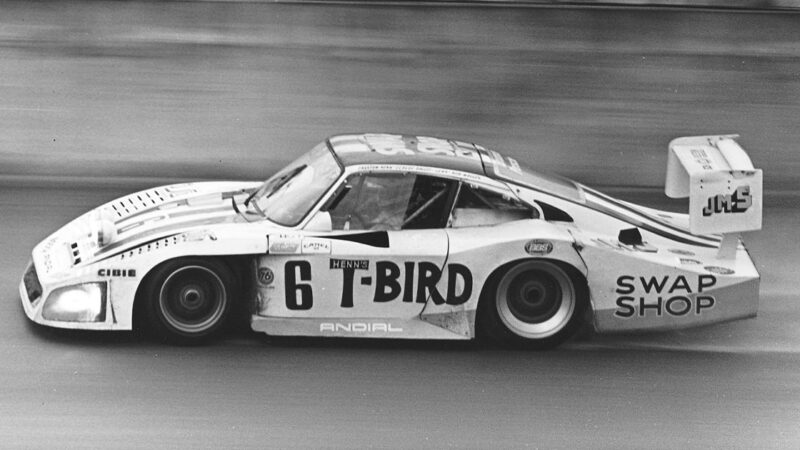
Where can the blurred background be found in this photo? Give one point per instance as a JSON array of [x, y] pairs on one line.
[[140, 93], [100, 98]]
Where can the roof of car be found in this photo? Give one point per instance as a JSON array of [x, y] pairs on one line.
[[357, 149], [401, 149]]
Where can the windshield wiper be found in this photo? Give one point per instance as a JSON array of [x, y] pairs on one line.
[[250, 197], [281, 182], [275, 186]]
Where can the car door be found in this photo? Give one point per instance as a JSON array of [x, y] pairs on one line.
[[383, 256]]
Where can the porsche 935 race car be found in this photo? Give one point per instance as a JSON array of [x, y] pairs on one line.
[[380, 235]]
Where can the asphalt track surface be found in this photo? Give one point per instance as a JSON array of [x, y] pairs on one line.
[[126, 95]]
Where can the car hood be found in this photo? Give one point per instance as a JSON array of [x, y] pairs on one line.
[[129, 221]]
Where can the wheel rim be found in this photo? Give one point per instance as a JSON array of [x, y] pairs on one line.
[[535, 299], [192, 299]]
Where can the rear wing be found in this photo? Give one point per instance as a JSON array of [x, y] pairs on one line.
[[724, 190]]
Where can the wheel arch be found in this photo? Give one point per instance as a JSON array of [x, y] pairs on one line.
[[578, 278], [238, 265]]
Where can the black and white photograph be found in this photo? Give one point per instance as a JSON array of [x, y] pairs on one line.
[[400, 224]]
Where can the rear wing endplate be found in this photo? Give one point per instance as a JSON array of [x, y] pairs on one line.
[[724, 189]]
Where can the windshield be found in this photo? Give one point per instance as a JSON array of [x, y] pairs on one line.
[[287, 196]]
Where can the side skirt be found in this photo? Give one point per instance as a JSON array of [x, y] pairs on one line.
[[412, 328]]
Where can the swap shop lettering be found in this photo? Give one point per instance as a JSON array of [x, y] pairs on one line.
[[665, 295]]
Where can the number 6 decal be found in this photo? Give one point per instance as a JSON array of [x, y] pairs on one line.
[[305, 299]]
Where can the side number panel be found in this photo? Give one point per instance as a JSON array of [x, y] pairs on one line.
[[355, 279]]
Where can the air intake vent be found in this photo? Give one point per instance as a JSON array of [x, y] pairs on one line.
[[32, 286], [76, 253], [140, 201], [158, 244]]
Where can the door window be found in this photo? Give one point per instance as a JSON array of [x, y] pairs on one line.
[[392, 202], [481, 207]]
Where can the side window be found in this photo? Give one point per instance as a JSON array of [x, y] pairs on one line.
[[391, 202], [481, 207]]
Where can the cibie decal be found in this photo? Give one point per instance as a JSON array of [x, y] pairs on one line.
[[738, 202], [538, 247], [116, 273], [665, 295], [265, 275], [719, 270]]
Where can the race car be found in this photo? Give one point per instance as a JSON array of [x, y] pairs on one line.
[[401, 236]]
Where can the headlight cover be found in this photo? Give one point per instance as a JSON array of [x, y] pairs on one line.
[[78, 303]]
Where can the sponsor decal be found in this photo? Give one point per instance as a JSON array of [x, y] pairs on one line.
[[47, 259], [645, 247], [393, 144], [199, 235], [348, 268], [315, 246], [360, 264], [690, 261], [719, 270], [265, 275], [284, 245], [401, 168], [391, 281], [702, 159], [538, 247], [612, 244], [498, 160], [359, 327], [663, 296], [738, 202], [679, 251], [116, 273]]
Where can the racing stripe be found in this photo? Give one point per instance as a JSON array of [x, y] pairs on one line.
[[128, 242], [685, 238], [128, 224], [137, 246], [641, 214]]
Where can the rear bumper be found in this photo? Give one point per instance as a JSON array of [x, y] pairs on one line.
[[680, 310], [668, 291]]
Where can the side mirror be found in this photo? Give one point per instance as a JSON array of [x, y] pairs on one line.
[[320, 222]]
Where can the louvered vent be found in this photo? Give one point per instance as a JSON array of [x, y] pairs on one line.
[[76, 253], [155, 245], [142, 200]]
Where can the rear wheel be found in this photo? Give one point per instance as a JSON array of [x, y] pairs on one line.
[[189, 299], [532, 304]]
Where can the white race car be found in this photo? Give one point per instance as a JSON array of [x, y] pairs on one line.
[[381, 235]]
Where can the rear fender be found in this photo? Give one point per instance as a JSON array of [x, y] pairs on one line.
[[479, 252]]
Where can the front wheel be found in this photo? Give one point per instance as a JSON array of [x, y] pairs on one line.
[[189, 299], [532, 304]]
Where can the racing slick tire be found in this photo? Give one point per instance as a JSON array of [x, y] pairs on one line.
[[534, 304], [188, 300]]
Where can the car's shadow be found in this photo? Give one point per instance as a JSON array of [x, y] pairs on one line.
[[248, 338], [241, 335]]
